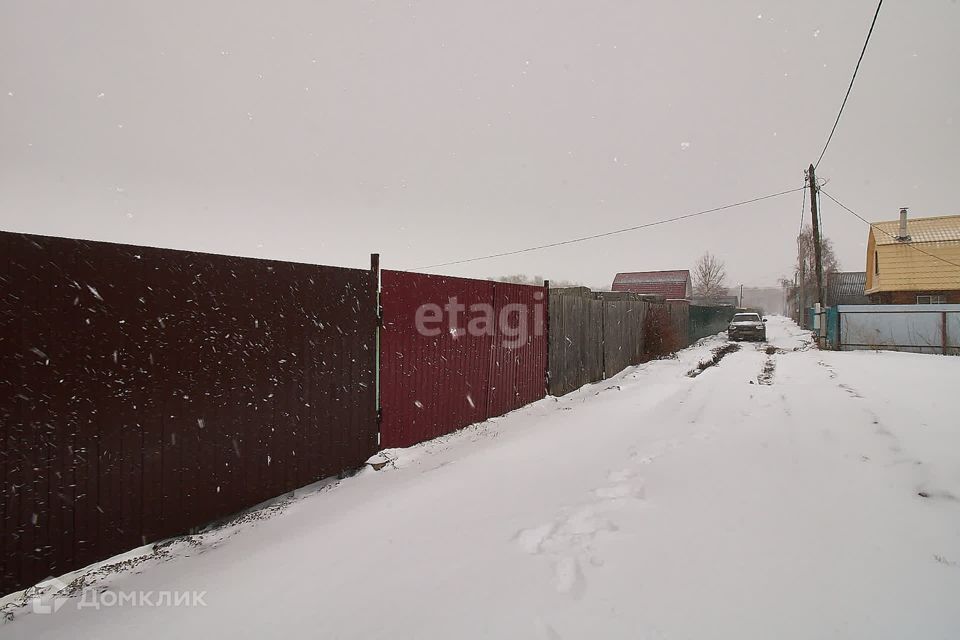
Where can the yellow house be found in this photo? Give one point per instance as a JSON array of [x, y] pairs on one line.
[[914, 261]]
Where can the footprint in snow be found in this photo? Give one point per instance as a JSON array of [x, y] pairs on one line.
[[621, 475], [568, 577], [619, 491], [532, 540], [545, 631]]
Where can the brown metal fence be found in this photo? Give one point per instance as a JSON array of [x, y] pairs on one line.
[[449, 373], [145, 392]]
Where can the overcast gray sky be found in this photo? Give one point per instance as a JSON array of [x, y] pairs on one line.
[[439, 130]]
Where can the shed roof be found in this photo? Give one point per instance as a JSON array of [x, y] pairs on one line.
[[636, 277], [670, 284]]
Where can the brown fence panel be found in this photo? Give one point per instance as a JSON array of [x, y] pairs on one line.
[[470, 356], [145, 392], [435, 380], [519, 350]]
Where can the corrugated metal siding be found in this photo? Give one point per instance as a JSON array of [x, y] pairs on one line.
[[665, 289], [914, 328], [429, 385], [144, 392], [707, 321], [433, 385], [518, 368]]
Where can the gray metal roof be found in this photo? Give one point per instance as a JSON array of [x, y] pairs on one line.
[[846, 287]]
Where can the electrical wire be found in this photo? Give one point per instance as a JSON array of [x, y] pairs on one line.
[[611, 233], [850, 88], [887, 233]]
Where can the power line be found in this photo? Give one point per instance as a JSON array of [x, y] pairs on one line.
[[611, 233], [887, 233], [850, 88]]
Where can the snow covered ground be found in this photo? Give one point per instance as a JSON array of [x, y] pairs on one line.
[[772, 496]]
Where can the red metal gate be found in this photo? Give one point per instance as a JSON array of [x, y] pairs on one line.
[[455, 351]]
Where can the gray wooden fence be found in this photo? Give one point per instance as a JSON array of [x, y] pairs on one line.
[[595, 335]]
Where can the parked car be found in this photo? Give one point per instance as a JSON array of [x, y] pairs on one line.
[[747, 326]]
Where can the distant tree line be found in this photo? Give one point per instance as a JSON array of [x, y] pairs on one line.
[[520, 278]]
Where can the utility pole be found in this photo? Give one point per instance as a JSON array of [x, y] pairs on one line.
[[801, 292], [816, 235]]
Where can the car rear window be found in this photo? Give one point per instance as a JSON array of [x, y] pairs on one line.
[[746, 317]]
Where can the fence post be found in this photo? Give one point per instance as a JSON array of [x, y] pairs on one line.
[[603, 336], [943, 331], [546, 331], [375, 272]]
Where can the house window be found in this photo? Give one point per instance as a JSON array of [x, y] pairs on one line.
[[876, 263], [931, 300]]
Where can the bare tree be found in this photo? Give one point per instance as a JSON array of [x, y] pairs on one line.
[[802, 291], [789, 297], [709, 277]]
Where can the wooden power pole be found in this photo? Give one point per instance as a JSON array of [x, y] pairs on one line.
[[816, 235]]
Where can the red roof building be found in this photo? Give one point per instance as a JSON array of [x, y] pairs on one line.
[[672, 285]]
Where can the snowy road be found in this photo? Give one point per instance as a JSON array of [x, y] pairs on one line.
[[654, 505]]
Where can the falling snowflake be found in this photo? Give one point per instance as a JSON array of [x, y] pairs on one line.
[[684, 146], [96, 294]]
